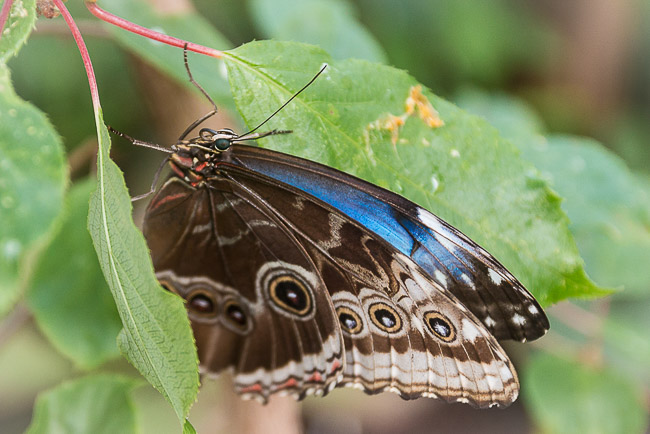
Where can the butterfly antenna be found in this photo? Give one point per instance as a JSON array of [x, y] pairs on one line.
[[203, 118], [288, 101], [139, 142]]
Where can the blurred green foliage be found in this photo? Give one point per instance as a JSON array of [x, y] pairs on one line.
[[70, 290], [104, 399], [569, 397], [31, 166], [497, 60]]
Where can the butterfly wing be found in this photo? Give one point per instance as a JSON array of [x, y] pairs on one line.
[[450, 258], [257, 303], [402, 331]]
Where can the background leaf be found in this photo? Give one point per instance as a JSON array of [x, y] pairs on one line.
[[188, 26], [570, 397], [328, 23], [65, 101], [32, 170], [156, 337], [514, 119], [94, 404], [67, 293], [627, 338], [466, 40], [464, 171], [17, 28]]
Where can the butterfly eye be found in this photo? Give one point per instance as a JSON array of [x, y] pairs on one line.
[[440, 326], [350, 321], [199, 302], [222, 144], [291, 295], [385, 317]]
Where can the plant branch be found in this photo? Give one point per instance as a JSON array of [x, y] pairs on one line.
[[4, 14], [76, 34], [148, 33]]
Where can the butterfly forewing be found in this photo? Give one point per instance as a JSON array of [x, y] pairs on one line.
[[454, 261]]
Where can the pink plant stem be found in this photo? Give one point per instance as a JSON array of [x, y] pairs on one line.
[[131, 27], [76, 34], [4, 14]]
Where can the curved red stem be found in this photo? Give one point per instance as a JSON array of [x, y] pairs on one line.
[[148, 33], [4, 14], [76, 34]]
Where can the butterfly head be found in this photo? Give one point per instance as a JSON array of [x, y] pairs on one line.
[[217, 140]]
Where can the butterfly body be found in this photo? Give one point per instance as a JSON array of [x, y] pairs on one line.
[[299, 278]]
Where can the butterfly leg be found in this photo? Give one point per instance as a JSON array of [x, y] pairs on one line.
[[153, 183], [200, 88]]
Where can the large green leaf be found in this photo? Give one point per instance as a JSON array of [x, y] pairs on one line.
[[463, 171], [156, 338], [94, 404], [569, 397], [32, 168], [329, 24], [67, 293]]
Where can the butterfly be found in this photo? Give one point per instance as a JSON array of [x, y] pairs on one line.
[[299, 278]]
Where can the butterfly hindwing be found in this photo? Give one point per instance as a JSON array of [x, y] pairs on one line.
[[272, 322]]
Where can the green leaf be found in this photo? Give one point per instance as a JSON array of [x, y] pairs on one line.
[[188, 428], [568, 397], [608, 208], [156, 338], [17, 28], [32, 180], [67, 293], [448, 43], [328, 23], [463, 171], [191, 27], [94, 404]]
